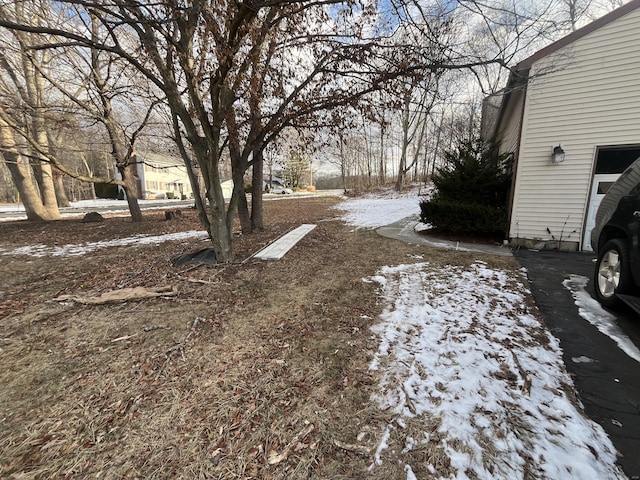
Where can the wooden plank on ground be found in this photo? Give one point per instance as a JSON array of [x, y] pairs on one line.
[[277, 249]]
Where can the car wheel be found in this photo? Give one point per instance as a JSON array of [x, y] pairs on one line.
[[613, 274]]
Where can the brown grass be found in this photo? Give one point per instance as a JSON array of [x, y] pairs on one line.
[[271, 381]]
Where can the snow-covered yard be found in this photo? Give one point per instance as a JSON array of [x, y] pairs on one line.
[[467, 369], [465, 364]]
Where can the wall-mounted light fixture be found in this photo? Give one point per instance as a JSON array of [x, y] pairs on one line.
[[558, 155]]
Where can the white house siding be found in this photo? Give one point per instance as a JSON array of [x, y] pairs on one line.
[[591, 100], [161, 175]]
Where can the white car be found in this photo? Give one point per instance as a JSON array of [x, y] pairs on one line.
[[280, 189]]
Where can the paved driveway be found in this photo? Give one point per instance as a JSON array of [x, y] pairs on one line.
[[609, 386]]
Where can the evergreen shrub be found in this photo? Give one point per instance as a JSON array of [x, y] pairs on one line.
[[472, 191]]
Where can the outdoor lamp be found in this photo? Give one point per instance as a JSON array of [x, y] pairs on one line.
[[558, 155]]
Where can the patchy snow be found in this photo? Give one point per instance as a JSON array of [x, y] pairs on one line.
[[457, 348], [373, 211], [470, 374], [16, 211], [464, 367], [72, 250], [592, 311]]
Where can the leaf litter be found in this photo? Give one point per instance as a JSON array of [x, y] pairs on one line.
[[280, 377]]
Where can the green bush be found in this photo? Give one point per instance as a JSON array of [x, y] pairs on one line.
[[472, 190], [460, 217]]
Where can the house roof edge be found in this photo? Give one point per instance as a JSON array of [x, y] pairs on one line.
[[582, 32]]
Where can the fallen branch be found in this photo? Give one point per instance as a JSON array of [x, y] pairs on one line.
[[359, 449], [121, 295], [274, 458]]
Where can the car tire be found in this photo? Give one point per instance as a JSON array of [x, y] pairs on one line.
[[613, 272]]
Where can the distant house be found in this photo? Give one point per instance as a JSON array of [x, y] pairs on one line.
[[580, 96], [162, 176]]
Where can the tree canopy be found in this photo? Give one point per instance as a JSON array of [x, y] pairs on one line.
[[232, 76]]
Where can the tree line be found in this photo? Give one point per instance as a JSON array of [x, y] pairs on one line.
[[227, 81]]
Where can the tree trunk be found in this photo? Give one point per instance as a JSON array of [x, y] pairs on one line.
[[402, 168], [257, 183], [19, 169], [382, 172], [199, 197], [221, 226], [241, 198], [58, 184], [131, 192]]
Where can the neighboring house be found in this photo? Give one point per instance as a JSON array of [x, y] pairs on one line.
[[582, 94], [162, 176], [227, 189]]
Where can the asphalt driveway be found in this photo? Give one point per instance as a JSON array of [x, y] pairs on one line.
[[607, 379], [609, 385]]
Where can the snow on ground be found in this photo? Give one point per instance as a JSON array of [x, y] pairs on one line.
[[373, 211], [460, 355], [73, 250], [84, 248], [16, 211], [592, 311]]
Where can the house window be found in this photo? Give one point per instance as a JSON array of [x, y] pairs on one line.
[[603, 187], [616, 159]]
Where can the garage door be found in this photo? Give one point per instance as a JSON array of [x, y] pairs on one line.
[[610, 163]]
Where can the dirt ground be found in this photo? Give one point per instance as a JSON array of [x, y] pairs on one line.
[[252, 370]]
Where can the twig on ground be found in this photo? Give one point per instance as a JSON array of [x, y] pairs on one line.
[[526, 388], [154, 327], [126, 337], [193, 267], [359, 449], [193, 280], [275, 458], [179, 347], [197, 280], [408, 401]]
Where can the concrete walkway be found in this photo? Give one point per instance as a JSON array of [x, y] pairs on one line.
[[277, 249], [404, 230]]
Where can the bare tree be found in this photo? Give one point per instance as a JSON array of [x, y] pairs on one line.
[[80, 86], [417, 104], [200, 55], [23, 104]]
